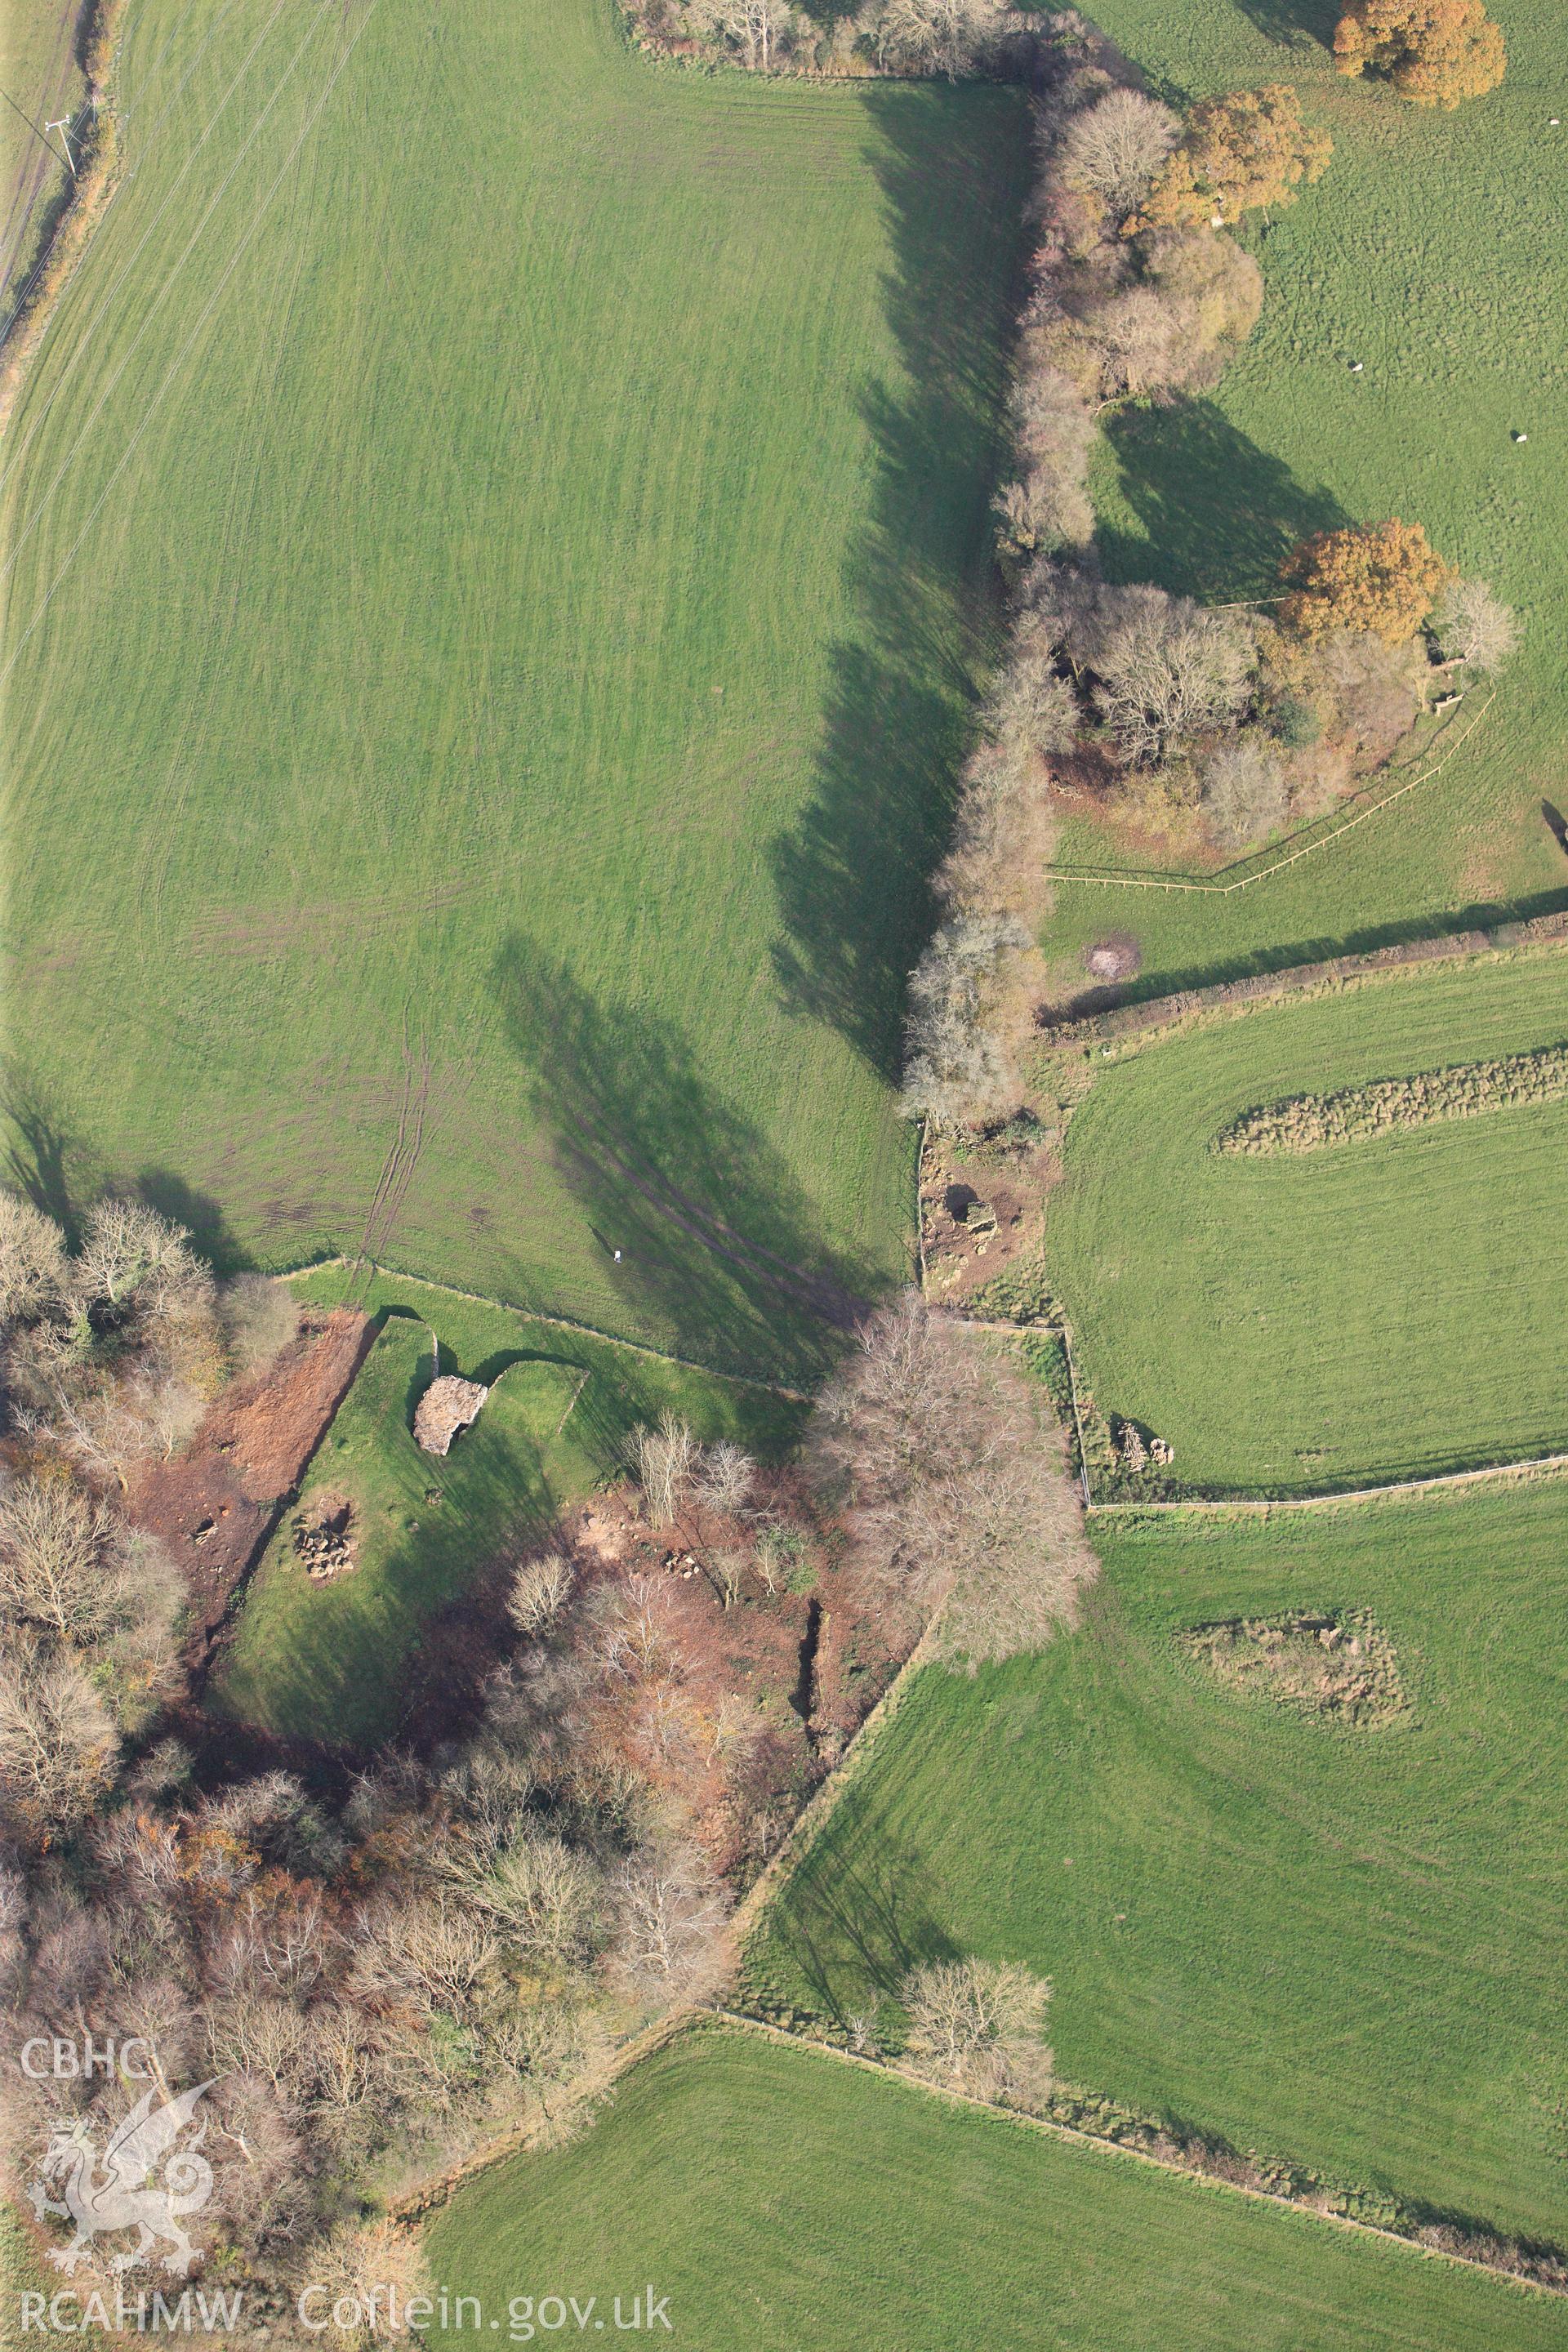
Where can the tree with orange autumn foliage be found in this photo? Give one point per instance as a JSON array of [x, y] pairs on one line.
[[1243, 153], [1380, 577], [1435, 52]]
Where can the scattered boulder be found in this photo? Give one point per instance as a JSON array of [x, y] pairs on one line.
[[1338, 1666], [322, 1538], [448, 1405]]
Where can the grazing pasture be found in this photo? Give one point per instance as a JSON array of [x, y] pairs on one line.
[[331, 1661], [1336, 1944], [780, 2201], [38, 71], [497, 561], [1429, 253], [1288, 1322]]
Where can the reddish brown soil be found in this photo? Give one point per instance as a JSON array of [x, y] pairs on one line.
[[217, 1502], [798, 1671]]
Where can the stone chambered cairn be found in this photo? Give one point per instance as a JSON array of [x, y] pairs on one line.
[[448, 1405]]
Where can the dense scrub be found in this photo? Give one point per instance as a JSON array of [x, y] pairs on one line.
[[1313, 1123]]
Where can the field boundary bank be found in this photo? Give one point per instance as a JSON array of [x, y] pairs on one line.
[[1536, 1466], [554, 1322], [1532, 1466], [1091, 880], [695, 2018], [1102, 2143], [82, 205], [1335, 975]]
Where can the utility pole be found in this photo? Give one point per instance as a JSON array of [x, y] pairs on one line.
[[63, 127]]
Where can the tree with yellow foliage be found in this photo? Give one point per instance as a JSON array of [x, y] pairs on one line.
[[1239, 154], [1382, 577], [1435, 52]]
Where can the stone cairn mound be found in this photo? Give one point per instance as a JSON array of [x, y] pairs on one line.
[[322, 1540]]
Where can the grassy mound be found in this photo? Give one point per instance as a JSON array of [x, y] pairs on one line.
[[1302, 1320], [1339, 1951], [1339, 1669], [779, 2200], [1427, 254], [551, 495], [1315, 1122]]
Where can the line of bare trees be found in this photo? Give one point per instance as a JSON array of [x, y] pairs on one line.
[[951, 38], [1211, 725]]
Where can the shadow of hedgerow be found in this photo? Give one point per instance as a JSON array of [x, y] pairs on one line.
[[852, 872]]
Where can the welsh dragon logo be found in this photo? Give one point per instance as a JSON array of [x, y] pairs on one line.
[[122, 2194]]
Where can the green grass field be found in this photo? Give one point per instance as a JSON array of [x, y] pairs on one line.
[[40, 74], [497, 558], [1429, 254], [785, 2203], [330, 1662], [1381, 1311], [1339, 1948]]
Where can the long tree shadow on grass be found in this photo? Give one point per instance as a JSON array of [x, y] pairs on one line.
[[44, 1159], [847, 1925], [852, 872], [719, 1251], [1299, 24], [1217, 514]]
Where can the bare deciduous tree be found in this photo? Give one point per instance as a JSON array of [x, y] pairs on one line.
[[545, 1896], [1169, 670], [62, 1566], [670, 1911], [634, 1638], [1030, 705], [128, 1249], [1244, 793], [1117, 146], [430, 1949], [58, 1744], [755, 28], [1004, 832], [976, 2025], [724, 1476], [1473, 628], [957, 1070], [950, 1474], [946, 37], [540, 1591], [33, 1269], [664, 1461]]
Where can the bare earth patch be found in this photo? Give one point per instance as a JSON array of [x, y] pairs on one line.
[[1338, 1667], [979, 1210], [216, 1503]]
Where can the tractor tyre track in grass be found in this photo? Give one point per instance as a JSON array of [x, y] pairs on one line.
[[34, 170]]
